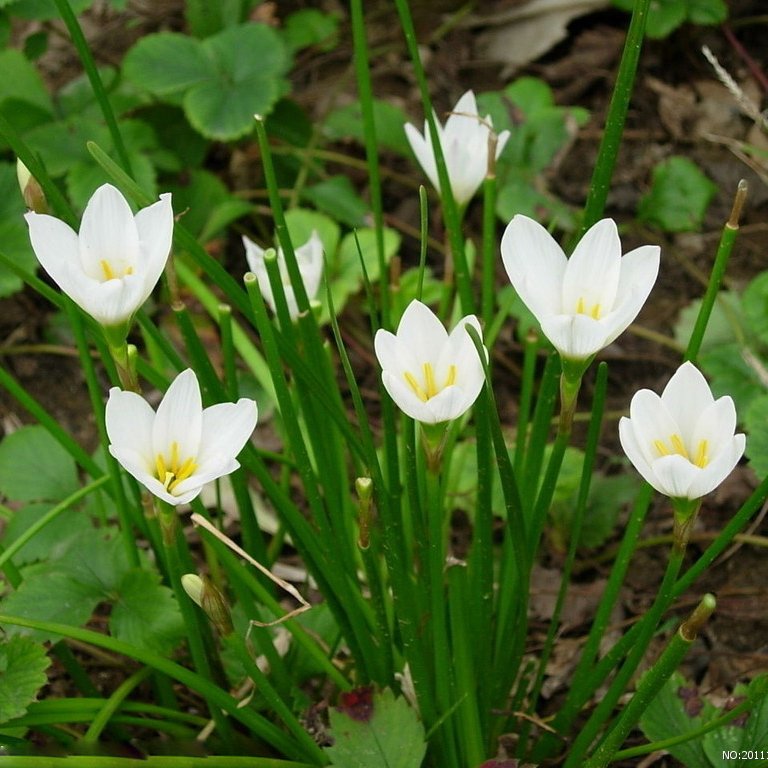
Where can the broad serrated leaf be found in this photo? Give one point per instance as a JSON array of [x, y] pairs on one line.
[[22, 674], [145, 613], [679, 196], [50, 592], [34, 467], [347, 123], [723, 325], [666, 716], [735, 371], [310, 26], [243, 84], [380, 732], [301, 222], [167, 63], [52, 541]]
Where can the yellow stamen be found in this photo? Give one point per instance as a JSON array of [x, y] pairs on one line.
[[678, 448], [416, 387], [106, 268], [450, 380], [581, 309], [171, 473], [702, 458], [429, 380]]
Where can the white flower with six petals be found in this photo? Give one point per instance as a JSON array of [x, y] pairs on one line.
[[110, 268], [464, 141], [683, 442], [179, 449], [585, 302], [432, 376]]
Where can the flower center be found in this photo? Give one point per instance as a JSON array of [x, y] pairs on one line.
[[581, 309], [428, 387], [677, 447], [170, 472], [112, 274]]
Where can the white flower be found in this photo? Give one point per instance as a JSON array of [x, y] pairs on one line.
[[431, 375], [585, 302], [179, 449], [310, 260], [682, 443], [111, 267], [464, 141]]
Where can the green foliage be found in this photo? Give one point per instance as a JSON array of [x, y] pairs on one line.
[[34, 467], [219, 83], [377, 732], [14, 240], [22, 674], [539, 131], [679, 196], [311, 27], [680, 708], [665, 16], [347, 123]]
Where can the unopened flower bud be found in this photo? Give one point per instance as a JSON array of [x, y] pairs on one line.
[[31, 191], [364, 488], [210, 599]]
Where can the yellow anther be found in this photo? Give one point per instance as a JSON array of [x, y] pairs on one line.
[[169, 482], [595, 313], [702, 457], [160, 465], [450, 379], [429, 380], [678, 446], [661, 448], [580, 306], [106, 268], [416, 387], [171, 473], [581, 309]]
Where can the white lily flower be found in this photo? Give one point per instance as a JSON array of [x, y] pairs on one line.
[[310, 260], [179, 449], [464, 141], [585, 302], [111, 267], [433, 376], [682, 443]]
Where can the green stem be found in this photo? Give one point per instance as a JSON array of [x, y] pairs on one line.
[[616, 117], [727, 240], [648, 625], [451, 212], [652, 683], [490, 249], [113, 703]]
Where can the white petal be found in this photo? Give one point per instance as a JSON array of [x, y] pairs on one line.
[[404, 397], [447, 405], [501, 142], [310, 258], [129, 419], [592, 273], [226, 428], [254, 255], [639, 270], [460, 351], [422, 148], [212, 472], [421, 333], [716, 425], [108, 233], [651, 422], [635, 454], [387, 349], [535, 264], [676, 475], [135, 463], [687, 396], [719, 468], [154, 225], [179, 417], [57, 249], [114, 301], [575, 336]]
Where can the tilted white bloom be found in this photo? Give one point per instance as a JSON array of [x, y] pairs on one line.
[[111, 267], [682, 443], [433, 376], [310, 260], [464, 141], [585, 302], [179, 449]]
